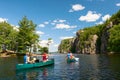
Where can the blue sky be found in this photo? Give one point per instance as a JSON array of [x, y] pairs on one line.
[[58, 19]]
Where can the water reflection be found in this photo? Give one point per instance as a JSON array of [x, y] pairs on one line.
[[7, 66], [32, 74], [89, 67]]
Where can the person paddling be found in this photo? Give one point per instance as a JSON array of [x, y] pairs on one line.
[[44, 56], [27, 58], [68, 55]]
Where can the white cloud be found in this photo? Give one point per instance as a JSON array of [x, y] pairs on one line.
[[61, 21], [76, 7], [53, 47], [39, 32], [44, 43], [52, 23], [41, 25], [64, 26], [3, 20], [56, 45], [46, 22], [16, 28], [90, 17], [118, 4], [104, 18], [55, 21], [67, 37]]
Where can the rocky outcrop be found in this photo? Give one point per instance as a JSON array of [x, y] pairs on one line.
[[105, 37], [95, 39], [65, 45]]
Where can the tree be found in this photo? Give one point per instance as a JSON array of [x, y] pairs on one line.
[[26, 36], [7, 36]]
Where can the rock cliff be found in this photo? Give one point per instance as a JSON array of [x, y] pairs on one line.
[[96, 39]]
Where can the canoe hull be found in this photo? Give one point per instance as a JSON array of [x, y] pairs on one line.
[[40, 64], [71, 60]]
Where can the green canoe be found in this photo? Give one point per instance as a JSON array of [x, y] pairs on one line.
[[70, 60], [39, 64]]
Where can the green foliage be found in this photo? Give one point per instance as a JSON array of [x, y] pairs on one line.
[[26, 36], [115, 18], [114, 39], [8, 36], [65, 45], [44, 49]]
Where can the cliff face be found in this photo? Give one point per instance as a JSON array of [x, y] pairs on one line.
[[65, 45], [97, 39], [88, 47], [105, 37]]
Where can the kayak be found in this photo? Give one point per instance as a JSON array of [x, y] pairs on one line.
[[34, 65]]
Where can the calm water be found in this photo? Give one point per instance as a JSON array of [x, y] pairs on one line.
[[89, 67]]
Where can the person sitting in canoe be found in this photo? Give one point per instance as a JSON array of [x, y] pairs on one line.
[[70, 55], [44, 56], [27, 58]]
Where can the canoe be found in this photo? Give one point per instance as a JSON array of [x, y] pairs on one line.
[[34, 65], [73, 60], [70, 60]]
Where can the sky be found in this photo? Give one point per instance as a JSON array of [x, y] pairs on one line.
[[58, 19]]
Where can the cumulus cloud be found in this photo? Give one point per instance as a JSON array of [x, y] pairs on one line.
[[41, 25], [59, 21], [16, 28], [52, 23], [67, 37], [44, 43], [64, 26], [118, 4], [53, 47], [104, 18], [39, 32], [46, 22], [3, 20], [90, 17], [76, 7]]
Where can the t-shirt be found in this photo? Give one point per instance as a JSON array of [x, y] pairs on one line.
[[25, 59], [68, 55]]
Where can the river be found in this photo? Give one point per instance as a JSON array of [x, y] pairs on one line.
[[89, 67]]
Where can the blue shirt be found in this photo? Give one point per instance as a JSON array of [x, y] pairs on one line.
[[68, 55], [25, 59]]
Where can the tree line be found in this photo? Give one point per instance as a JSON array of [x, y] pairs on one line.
[[21, 39]]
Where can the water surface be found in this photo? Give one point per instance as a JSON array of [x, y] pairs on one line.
[[89, 67]]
